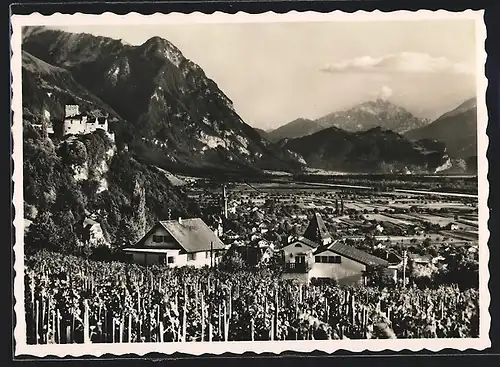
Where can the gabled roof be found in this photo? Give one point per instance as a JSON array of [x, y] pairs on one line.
[[352, 253], [193, 235], [316, 230], [305, 241], [308, 242]]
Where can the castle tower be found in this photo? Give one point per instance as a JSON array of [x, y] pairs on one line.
[[71, 110]]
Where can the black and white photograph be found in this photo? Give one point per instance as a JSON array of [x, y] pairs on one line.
[[211, 183]]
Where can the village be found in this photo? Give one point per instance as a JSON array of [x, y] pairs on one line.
[[314, 234], [308, 231]]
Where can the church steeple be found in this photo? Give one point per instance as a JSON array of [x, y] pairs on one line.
[[317, 232]]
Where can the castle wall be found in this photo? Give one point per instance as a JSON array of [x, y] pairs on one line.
[[82, 126]]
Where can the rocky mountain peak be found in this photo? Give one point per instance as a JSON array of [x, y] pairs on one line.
[[161, 48], [172, 114]]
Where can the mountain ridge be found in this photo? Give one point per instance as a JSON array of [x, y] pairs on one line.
[[462, 120], [360, 117], [174, 112], [376, 150]]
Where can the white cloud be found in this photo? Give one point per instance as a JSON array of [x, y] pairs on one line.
[[385, 92], [404, 62]]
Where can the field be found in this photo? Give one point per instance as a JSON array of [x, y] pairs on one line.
[[387, 218], [71, 300]]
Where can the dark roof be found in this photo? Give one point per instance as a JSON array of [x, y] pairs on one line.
[[193, 235], [316, 230], [352, 253], [307, 242], [304, 241], [394, 257], [79, 116]]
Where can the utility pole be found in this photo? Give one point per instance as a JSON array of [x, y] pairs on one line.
[[225, 201], [211, 254], [404, 268]]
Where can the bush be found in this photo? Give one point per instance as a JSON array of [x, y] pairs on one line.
[[233, 261]]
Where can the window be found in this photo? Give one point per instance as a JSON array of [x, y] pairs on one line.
[[327, 259], [171, 260], [157, 239], [298, 245], [191, 256]]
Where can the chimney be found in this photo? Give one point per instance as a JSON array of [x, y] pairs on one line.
[[180, 220]]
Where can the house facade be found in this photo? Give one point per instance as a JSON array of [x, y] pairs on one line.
[[182, 242], [323, 258]]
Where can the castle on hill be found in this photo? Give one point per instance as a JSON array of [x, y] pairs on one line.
[[76, 123]]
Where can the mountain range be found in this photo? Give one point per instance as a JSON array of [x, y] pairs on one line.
[[339, 140], [372, 151], [457, 129], [170, 113], [361, 117]]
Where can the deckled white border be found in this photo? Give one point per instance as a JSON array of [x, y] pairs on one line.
[[216, 348]]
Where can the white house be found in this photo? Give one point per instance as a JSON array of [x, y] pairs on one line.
[[324, 258], [177, 243]]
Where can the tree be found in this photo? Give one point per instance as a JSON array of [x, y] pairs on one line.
[[68, 241], [233, 261], [378, 276], [125, 234], [43, 233]]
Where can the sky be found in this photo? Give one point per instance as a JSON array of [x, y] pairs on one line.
[[277, 72]]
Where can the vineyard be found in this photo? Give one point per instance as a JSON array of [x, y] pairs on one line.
[[73, 300]]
